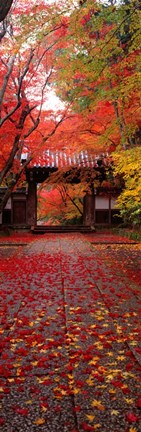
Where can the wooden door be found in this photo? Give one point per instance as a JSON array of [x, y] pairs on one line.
[[19, 212]]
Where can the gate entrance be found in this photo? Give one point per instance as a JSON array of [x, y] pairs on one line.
[[98, 203]]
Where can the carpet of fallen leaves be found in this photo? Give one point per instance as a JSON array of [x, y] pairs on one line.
[[70, 323]]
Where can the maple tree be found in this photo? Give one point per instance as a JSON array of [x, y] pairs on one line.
[[60, 203], [26, 66], [103, 77], [102, 81]]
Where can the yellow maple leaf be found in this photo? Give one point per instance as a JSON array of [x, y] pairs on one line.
[[57, 379], [34, 343], [132, 429], [97, 404], [121, 340], [63, 392], [103, 386], [129, 401], [31, 324], [133, 343], [112, 391], [121, 358], [109, 353], [102, 369], [76, 391], [114, 412], [59, 397], [39, 421], [11, 380], [16, 365], [110, 377], [90, 417], [89, 381], [41, 380], [44, 409], [99, 345], [94, 361], [96, 426], [12, 327], [76, 365]]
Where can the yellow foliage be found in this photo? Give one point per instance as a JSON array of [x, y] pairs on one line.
[[128, 165]]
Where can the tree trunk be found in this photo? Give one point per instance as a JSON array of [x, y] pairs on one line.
[[4, 8]]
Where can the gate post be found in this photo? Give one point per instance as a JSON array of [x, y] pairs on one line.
[[32, 204], [89, 210]]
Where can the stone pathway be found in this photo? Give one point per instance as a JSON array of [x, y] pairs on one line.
[[70, 336]]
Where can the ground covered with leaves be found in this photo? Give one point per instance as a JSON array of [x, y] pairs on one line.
[[70, 334]]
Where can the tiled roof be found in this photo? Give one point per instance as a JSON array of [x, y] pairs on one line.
[[60, 159]]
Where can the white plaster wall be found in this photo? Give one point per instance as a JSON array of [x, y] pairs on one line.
[[8, 205], [102, 203]]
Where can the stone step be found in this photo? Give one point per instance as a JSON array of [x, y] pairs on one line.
[[42, 229]]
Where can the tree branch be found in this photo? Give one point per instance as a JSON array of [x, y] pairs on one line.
[[4, 8], [19, 88]]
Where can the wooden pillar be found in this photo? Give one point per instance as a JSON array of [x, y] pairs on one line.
[[89, 210], [31, 213], [110, 214]]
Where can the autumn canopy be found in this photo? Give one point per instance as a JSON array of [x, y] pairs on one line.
[[70, 79]]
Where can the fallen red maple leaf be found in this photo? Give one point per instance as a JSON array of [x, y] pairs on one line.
[[86, 427], [2, 421], [131, 417], [21, 411], [139, 402]]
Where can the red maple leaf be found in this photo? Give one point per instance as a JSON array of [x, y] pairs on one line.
[[2, 421], [86, 427], [131, 417], [139, 402], [21, 411]]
